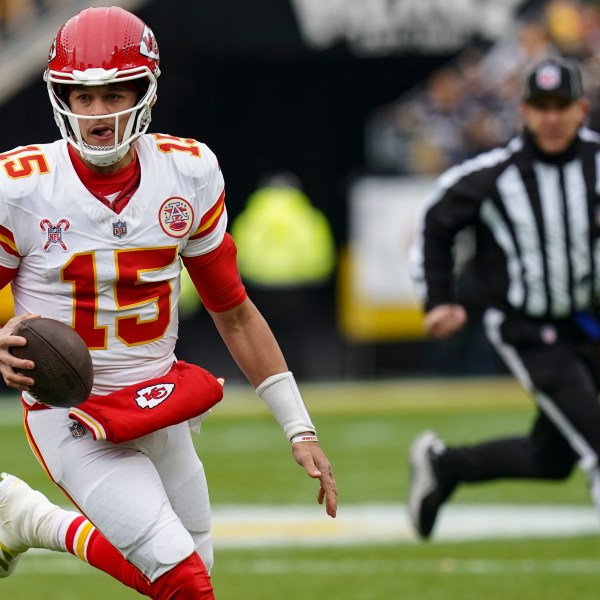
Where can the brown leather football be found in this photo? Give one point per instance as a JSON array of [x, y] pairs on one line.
[[63, 370]]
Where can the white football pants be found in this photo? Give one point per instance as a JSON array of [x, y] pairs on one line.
[[148, 497]]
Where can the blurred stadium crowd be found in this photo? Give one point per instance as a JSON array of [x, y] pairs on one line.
[[17, 15], [468, 105], [471, 104]]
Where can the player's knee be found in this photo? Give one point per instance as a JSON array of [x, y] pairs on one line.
[[170, 547], [189, 580]]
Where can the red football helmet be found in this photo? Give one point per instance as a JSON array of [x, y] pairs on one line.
[[99, 46]]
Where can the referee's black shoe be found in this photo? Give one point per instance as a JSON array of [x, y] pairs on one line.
[[428, 489]]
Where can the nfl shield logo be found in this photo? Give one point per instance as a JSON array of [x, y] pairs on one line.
[[77, 430], [54, 234], [120, 229]]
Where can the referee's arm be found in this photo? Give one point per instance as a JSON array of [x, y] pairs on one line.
[[432, 255]]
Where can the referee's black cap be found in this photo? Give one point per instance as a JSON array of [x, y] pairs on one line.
[[554, 77]]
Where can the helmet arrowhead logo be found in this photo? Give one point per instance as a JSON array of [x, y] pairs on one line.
[[52, 52], [148, 44]]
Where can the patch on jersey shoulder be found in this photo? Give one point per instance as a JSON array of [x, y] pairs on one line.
[[176, 216], [55, 233]]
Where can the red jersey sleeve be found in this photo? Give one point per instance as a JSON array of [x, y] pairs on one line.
[[6, 276], [216, 277]]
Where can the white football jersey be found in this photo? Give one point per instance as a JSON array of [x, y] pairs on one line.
[[113, 278]]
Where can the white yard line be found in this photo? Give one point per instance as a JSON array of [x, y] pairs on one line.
[[256, 526], [236, 527], [270, 526]]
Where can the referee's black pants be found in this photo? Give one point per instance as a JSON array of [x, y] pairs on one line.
[[558, 366]]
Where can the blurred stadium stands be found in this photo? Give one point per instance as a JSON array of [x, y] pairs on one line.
[[27, 28], [471, 103], [333, 90]]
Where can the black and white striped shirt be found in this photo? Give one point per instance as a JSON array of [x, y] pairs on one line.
[[537, 224]]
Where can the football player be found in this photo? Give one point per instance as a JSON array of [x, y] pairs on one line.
[[93, 232]]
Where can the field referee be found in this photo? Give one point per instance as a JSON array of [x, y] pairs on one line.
[[534, 206]]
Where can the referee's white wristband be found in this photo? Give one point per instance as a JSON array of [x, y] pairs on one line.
[[281, 394]]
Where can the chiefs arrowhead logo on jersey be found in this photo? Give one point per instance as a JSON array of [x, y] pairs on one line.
[[152, 396], [176, 216]]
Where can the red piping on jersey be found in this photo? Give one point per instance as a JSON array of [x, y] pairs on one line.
[[39, 456], [7, 241], [6, 276], [210, 220], [33, 445]]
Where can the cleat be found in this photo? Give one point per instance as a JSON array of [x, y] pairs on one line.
[[24, 521], [427, 491]]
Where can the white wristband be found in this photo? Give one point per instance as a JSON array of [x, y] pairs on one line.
[[304, 437], [281, 394]]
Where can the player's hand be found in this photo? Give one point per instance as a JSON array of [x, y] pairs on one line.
[[310, 456], [444, 320], [8, 362]]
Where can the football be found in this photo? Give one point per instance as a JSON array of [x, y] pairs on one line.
[[63, 370]]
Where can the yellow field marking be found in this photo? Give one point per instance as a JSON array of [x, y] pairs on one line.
[[389, 396]]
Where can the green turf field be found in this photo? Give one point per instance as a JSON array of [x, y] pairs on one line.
[[365, 429]]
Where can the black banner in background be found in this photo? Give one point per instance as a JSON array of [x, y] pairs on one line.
[[286, 84], [385, 27], [364, 28]]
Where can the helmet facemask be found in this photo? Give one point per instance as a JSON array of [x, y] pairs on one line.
[[68, 121]]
